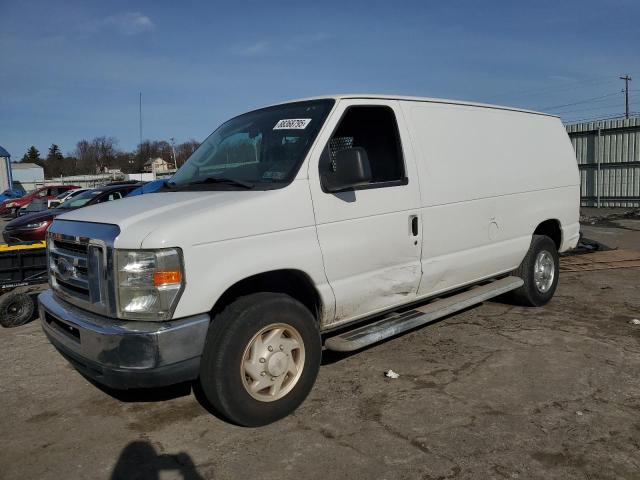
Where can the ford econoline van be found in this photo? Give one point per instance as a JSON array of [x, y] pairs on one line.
[[365, 214]]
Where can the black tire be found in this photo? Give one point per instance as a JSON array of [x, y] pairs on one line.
[[16, 309], [231, 331], [529, 294]]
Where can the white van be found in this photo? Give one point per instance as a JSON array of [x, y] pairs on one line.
[[377, 212]]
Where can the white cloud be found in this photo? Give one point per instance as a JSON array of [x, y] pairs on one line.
[[261, 47], [256, 48], [130, 23]]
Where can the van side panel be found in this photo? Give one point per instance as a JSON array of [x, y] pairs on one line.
[[488, 177]]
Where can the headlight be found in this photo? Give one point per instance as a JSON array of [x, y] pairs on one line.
[[35, 225], [10, 204], [149, 283]]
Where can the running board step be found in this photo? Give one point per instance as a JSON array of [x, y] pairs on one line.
[[394, 324]]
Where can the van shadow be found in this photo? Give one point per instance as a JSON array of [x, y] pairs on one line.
[[139, 460], [160, 394], [142, 395]]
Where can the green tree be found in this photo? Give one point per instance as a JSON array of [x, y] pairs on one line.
[[54, 153], [32, 156], [54, 165]]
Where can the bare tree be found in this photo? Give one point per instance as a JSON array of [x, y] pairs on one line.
[[96, 155], [184, 151]]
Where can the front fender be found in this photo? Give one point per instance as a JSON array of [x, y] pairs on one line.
[[213, 268]]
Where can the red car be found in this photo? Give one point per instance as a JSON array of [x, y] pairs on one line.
[[12, 205], [33, 227]]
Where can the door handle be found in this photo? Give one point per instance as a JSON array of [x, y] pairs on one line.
[[414, 225]]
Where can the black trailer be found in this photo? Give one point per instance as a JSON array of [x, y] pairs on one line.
[[23, 273]]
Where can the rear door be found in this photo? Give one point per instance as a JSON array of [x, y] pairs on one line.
[[370, 236]]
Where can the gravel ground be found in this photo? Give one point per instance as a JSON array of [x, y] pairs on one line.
[[494, 392]]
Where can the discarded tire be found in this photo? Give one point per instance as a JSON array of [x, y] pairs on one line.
[[15, 309]]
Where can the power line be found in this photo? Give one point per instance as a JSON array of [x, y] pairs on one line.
[[592, 118], [567, 86], [583, 111], [586, 100]]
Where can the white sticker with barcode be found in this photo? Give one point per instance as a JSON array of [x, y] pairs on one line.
[[292, 124]]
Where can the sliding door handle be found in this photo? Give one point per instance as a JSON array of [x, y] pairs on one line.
[[414, 225]]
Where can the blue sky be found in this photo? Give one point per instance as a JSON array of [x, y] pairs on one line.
[[73, 70]]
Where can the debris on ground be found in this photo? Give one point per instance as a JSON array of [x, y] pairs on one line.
[[611, 215], [586, 245], [601, 261], [635, 321], [391, 374], [579, 413]]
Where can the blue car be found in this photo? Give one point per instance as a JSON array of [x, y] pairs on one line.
[[11, 193], [147, 188]]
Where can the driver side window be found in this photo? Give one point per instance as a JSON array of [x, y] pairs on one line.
[[374, 129]]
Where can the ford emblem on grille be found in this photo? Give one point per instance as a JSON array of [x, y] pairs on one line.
[[65, 269]]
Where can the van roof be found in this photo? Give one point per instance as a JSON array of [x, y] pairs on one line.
[[417, 99]]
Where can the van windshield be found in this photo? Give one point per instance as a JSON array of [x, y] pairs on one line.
[[259, 150]]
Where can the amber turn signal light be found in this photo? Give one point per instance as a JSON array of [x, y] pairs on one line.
[[166, 277]]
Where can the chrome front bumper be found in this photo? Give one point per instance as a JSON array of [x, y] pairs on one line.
[[124, 354]]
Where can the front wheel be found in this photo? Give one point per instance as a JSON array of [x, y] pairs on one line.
[[261, 358], [540, 271]]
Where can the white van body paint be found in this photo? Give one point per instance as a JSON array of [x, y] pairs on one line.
[[480, 179]]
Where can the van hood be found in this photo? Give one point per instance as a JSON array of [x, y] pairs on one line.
[[169, 219]]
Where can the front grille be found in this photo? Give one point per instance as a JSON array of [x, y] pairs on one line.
[[77, 269], [80, 257], [72, 247]]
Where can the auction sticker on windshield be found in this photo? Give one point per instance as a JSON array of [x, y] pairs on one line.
[[292, 124]]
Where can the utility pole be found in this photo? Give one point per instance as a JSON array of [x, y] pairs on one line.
[[140, 116], [173, 149], [626, 79]]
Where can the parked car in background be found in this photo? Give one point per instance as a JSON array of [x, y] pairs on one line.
[[148, 187], [41, 204], [12, 193], [33, 227], [36, 205], [65, 196], [10, 207]]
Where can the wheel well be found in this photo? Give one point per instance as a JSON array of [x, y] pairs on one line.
[[295, 283], [550, 228]]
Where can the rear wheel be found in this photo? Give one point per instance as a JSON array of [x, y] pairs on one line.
[[540, 271], [261, 358], [16, 309]]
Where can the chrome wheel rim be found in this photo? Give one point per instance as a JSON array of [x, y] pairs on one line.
[[544, 271], [272, 362]]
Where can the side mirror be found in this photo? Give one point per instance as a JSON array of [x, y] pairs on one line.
[[352, 169]]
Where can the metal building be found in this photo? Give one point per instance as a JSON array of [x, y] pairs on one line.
[[608, 153], [27, 175], [5, 170]]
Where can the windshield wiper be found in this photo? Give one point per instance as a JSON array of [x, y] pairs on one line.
[[229, 181]]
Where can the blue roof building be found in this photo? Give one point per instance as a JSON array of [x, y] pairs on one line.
[[5, 170]]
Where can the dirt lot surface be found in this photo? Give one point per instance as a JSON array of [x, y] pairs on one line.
[[494, 392]]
